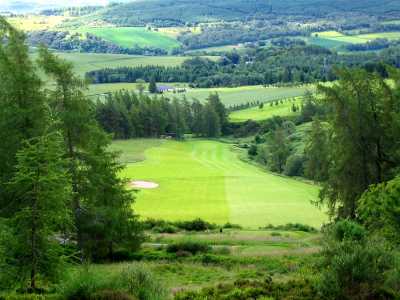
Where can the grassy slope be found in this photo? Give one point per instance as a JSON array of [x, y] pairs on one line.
[[231, 96], [257, 114], [85, 62], [130, 36], [206, 179]]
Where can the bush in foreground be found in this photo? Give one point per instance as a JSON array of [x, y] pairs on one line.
[[135, 282]]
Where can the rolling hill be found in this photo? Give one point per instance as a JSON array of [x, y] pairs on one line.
[[182, 11]]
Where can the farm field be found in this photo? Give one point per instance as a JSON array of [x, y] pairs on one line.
[[222, 188], [244, 94], [229, 96], [268, 111], [85, 62], [133, 36], [332, 37]]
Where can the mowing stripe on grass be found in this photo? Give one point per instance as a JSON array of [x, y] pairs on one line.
[[206, 179]]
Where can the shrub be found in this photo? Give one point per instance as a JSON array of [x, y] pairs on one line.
[[354, 266], [135, 282], [141, 283], [195, 225], [294, 165], [291, 227], [167, 228], [82, 285], [231, 226], [188, 246]]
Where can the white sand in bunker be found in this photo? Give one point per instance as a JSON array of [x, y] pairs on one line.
[[143, 184]]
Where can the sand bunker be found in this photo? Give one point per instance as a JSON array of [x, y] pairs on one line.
[[143, 184]]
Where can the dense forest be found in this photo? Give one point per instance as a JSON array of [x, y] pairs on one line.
[[129, 115], [293, 64]]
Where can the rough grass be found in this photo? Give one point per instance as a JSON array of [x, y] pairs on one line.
[[206, 179], [256, 114], [130, 37]]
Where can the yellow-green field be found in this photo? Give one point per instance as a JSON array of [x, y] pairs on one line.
[[130, 37], [229, 96], [206, 179], [355, 39], [268, 111], [85, 62]]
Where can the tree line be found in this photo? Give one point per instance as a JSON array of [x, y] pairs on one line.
[[294, 64], [130, 115], [60, 193]]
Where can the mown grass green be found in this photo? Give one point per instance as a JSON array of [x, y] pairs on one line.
[[130, 37], [257, 114], [206, 179]]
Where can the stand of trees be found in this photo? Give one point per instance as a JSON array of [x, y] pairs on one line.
[[294, 64], [59, 183], [129, 115]]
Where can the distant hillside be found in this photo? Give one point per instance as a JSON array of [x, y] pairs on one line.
[[171, 12]]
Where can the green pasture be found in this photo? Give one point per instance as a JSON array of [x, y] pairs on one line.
[[269, 110], [85, 62], [206, 179], [244, 94], [334, 39], [130, 37]]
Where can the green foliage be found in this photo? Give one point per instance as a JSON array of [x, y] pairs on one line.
[[316, 153], [354, 266], [379, 210], [142, 284], [24, 110], [253, 289], [102, 206], [291, 227], [363, 109], [153, 86], [133, 282], [41, 189], [197, 224], [294, 165], [192, 247]]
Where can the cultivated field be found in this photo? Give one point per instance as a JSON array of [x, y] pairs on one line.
[[133, 36], [268, 111], [85, 62], [329, 38], [229, 96], [244, 94], [207, 179]]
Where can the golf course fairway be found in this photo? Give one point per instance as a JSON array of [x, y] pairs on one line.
[[206, 179]]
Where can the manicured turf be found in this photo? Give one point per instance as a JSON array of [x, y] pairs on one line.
[[268, 111], [206, 179], [130, 37], [244, 94]]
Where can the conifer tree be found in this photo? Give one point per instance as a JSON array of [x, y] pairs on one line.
[[41, 200]]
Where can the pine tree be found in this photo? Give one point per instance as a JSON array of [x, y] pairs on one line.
[[86, 149], [23, 105], [153, 86], [42, 192], [316, 153]]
